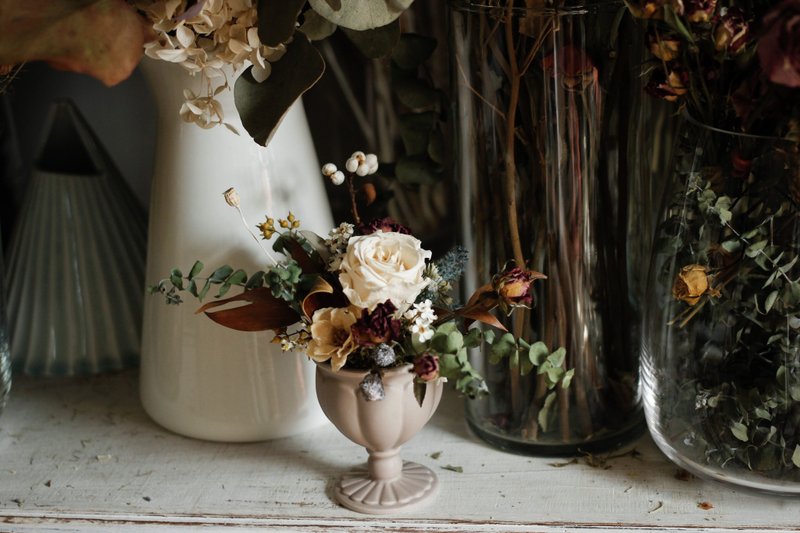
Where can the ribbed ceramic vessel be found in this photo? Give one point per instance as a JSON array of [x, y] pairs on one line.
[[387, 483], [76, 261]]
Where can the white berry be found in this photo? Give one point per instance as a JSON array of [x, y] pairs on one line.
[[328, 169], [337, 178]]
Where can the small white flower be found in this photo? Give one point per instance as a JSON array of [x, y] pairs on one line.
[[328, 169], [422, 316], [337, 178]]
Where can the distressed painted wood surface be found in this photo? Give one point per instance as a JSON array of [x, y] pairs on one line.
[[81, 455]]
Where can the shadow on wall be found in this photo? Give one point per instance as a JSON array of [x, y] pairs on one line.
[[122, 117]]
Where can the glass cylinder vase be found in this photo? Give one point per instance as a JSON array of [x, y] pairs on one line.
[[544, 126], [721, 344]]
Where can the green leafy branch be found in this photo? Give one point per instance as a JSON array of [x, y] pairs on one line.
[[452, 347], [283, 280]]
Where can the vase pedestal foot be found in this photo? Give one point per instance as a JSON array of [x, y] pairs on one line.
[[416, 485]]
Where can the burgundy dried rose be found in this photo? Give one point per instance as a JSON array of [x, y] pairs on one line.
[[377, 327], [670, 85], [700, 11], [779, 45], [731, 31], [383, 224], [426, 367], [514, 287]]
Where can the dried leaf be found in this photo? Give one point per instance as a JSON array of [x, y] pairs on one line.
[[704, 505], [262, 311], [452, 468], [101, 38], [322, 295]]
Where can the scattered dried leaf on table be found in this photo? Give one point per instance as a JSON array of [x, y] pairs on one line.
[[435, 455], [704, 506], [560, 465], [453, 468], [658, 507], [683, 475]]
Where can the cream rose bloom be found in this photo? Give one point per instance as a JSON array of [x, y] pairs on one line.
[[331, 337], [383, 266]]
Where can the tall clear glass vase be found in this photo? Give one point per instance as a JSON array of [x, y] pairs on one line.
[[544, 130], [5, 354], [721, 344]]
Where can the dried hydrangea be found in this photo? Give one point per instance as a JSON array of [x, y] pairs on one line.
[[337, 244], [208, 38]]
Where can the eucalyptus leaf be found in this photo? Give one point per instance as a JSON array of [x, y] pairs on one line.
[[376, 42], [276, 20], [796, 456], [415, 131], [739, 431], [361, 14], [196, 269], [413, 50], [546, 412], [417, 169], [316, 27], [416, 93], [262, 106], [221, 274], [770, 301], [538, 352], [436, 146]]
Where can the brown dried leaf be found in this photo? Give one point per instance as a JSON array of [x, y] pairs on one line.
[[704, 505], [322, 295], [262, 311], [101, 38]]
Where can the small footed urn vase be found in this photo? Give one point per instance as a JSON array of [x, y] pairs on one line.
[[388, 483]]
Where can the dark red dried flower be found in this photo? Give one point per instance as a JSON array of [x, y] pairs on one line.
[[377, 327], [383, 224], [514, 287], [779, 45], [670, 85], [700, 11], [426, 367], [731, 31]]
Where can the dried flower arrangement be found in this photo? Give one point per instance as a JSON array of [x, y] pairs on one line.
[[726, 282], [368, 297], [271, 38]]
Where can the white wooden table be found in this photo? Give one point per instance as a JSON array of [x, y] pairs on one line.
[[81, 455]]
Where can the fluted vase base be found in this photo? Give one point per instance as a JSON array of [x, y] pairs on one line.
[[416, 485]]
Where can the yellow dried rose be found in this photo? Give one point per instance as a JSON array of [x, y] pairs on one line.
[[331, 336], [692, 283]]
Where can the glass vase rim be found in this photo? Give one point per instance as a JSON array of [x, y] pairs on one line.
[[686, 115], [580, 7]]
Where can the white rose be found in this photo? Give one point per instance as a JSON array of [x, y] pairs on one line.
[[383, 266]]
